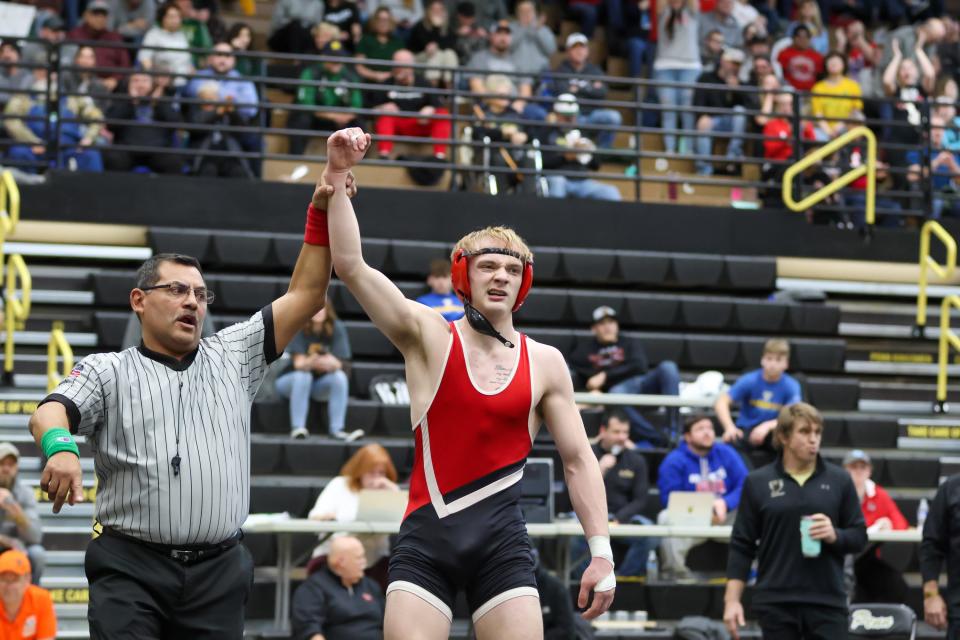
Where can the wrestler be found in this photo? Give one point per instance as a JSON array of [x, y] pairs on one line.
[[479, 391]]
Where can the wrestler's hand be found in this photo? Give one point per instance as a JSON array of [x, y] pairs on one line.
[[324, 190], [62, 479], [599, 569], [345, 148]]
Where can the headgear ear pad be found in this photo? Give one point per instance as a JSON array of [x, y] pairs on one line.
[[459, 269]]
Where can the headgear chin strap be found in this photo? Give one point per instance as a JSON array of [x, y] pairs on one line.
[[479, 323]]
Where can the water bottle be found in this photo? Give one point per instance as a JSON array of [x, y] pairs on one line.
[[653, 567], [922, 510]]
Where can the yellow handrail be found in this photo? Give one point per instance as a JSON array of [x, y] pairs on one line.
[[16, 307], [58, 346], [927, 263], [947, 339], [868, 168], [9, 208]]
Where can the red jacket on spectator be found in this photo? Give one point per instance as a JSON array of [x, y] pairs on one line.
[[877, 504], [106, 56], [800, 67], [778, 138]]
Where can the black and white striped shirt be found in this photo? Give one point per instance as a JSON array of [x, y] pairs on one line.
[[132, 406]]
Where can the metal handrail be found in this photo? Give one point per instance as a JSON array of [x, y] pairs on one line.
[[948, 338], [16, 307], [58, 347], [9, 208], [868, 169], [927, 263]]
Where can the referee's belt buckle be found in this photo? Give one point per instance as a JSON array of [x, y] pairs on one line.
[[188, 556]]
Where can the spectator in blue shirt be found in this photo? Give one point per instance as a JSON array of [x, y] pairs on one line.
[[699, 463], [238, 95], [761, 394], [441, 297]]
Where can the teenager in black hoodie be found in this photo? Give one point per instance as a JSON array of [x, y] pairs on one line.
[[797, 596]]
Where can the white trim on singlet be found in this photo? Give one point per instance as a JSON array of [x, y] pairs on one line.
[[532, 424], [466, 361], [444, 509], [501, 598], [423, 594], [436, 386]]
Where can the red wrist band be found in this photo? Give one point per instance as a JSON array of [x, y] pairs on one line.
[[316, 229]]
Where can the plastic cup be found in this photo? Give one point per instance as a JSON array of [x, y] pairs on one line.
[[808, 546]]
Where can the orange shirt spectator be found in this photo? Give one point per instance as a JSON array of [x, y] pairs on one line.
[[27, 610]]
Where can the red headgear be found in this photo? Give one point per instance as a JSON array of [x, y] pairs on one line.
[[461, 279]]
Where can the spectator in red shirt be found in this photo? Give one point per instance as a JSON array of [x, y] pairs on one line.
[[801, 63], [875, 579], [94, 27], [879, 509]]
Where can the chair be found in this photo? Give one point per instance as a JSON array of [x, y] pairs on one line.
[[112, 288], [698, 312], [817, 319], [362, 373], [412, 257], [363, 414], [867, 433], [286, 248], [375, 253], [264, 457], [547, 264], [271, 417], [692, 270], [241, 249], [834, 430], [582, 304], [367, 341], [818, 355], [660, 347], [891, 621], [172, 240], [589, 266], [833, 394], [643, 267], [712, 352], [911, 472], [111, 326], [563, 339], [244, 292], [763, 317], [315, 459], [651, 310], [276, 499], [544, 305], [751, 274], [395, 420]]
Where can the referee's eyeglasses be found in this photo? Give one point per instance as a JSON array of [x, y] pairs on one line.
[[179, 290]]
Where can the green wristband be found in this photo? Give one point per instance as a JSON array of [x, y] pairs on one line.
[[57, 440]]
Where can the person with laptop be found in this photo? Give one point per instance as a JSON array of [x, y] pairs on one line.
[[703, 466], [338, 602], [798, 517], [370, 468]]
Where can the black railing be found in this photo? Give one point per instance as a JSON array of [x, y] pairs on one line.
[[471, 158]]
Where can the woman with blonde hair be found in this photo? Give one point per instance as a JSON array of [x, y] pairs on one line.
[[369, 468]]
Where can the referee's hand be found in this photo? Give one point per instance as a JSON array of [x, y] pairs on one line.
[[62, 479]]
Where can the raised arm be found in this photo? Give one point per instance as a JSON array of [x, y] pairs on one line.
[[890, 73], [307, 292], [397, 317], [582, 474]]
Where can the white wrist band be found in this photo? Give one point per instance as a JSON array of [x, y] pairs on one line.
[[600, 548]]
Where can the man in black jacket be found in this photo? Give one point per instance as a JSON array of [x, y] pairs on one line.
[[612, 364], [800, 592], [338, 602], [941, 543], [723, 111], [142, 105]]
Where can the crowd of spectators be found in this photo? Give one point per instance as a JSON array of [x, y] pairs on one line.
[[717, 68]]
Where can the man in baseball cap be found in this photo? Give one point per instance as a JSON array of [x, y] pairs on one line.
[[20, 526], [27, 609], [611, 363], [96, 26]]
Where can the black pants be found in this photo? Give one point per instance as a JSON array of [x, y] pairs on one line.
[[115, 160], [801, 622], [138, 594]]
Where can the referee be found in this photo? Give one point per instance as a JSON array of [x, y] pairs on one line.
[[169, 424]]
